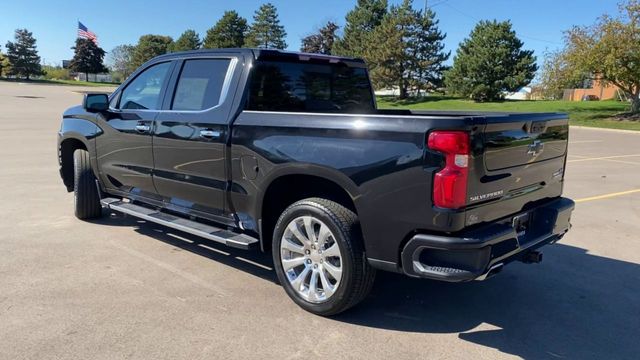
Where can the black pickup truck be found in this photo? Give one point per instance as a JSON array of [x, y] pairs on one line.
[[287, 152]]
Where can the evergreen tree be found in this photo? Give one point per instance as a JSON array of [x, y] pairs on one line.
[[491, 61], [266, 31], [150, 46], [88, 58], [23, 55], [360, 23], [406, 50], [387, 54], [189, 40], [228, 32], [322, 41], [427, 48]]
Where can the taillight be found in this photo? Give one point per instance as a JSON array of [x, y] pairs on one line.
[[450, 183]]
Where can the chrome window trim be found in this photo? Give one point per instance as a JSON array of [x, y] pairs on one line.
[[223, 95]]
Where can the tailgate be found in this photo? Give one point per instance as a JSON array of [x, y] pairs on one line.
[[515, 143], [517, 161]]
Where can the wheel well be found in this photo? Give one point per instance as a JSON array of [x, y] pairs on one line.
[[288, 189], [67, 148]]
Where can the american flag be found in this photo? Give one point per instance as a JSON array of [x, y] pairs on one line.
[[83, 32]]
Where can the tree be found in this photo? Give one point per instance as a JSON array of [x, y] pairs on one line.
[[88, 58], [490, 62], [266, 31], [557, 74], [150, 46], [4, 63], [609, 50], [23, 55], [121, 60], [360, 22], [426, 46], [189, 40], [406, 50], [322, 41], [228, 32]]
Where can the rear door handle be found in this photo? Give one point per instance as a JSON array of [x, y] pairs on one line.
[[209, 134], [142, 128]]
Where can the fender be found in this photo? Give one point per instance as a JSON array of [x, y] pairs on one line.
[[77, 128], [320, 171]]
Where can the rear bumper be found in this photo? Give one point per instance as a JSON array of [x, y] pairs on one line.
[[476, 254]]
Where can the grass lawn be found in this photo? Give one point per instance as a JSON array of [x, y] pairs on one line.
[[582, 113], [63, 82]]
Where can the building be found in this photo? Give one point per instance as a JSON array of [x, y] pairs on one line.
[[595, 88]]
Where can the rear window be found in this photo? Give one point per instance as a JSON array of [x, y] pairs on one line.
[[300, 87]]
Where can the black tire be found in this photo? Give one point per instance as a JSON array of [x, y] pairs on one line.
[[357, 275], [86, 199]]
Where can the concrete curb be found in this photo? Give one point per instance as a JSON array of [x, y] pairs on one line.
[[637, 132]]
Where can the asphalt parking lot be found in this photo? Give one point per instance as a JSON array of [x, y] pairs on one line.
[[119, 288]]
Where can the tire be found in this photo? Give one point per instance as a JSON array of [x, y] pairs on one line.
[[333, 293], [86, 199]]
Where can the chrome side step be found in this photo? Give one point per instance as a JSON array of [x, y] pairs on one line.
[[209, 232]]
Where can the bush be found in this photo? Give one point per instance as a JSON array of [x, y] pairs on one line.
[[56, 73]]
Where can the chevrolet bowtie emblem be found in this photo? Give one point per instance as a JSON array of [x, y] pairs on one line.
[[535, 148]]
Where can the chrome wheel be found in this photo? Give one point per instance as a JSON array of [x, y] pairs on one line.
[[311, 259]]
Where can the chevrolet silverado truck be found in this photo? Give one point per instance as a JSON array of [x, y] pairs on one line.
[[288, 153]]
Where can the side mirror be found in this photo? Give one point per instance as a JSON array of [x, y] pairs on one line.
[[95, 102]]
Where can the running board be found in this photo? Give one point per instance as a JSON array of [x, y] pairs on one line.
[[213, 233]]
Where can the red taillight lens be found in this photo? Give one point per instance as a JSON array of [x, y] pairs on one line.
[[450, 183]]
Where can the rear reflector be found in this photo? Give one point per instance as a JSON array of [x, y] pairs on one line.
[[450, 183]]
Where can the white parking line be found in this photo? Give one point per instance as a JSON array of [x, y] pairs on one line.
[[585, 141], [602, 158]]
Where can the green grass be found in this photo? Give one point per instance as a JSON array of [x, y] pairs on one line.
[[62, 82], [582, 113]]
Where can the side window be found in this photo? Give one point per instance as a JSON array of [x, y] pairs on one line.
[[144, 91], [200, 84]]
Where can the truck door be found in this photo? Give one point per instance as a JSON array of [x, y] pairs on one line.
[[191, 134], [125, 155]]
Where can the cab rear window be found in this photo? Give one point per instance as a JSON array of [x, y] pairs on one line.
[[309, 87]]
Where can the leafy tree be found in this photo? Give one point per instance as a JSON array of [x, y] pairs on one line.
[[189, 40], [360, 22], [150, 46], [228, 32], [4, 63], [322, 41], [609, 50], [490, 62], [121, 60], [557, 74], [23, 55], [406, 50], [266, 31], [88, 58]]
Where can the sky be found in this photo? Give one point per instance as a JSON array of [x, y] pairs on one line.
[[539, 23]]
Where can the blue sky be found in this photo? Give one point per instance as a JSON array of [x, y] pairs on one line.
[[539, 23]]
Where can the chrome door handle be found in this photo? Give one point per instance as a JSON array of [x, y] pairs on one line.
[[143, 128], [209, 134]]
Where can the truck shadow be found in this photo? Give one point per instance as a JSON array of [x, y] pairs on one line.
[[574, 305], [252, 262]]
